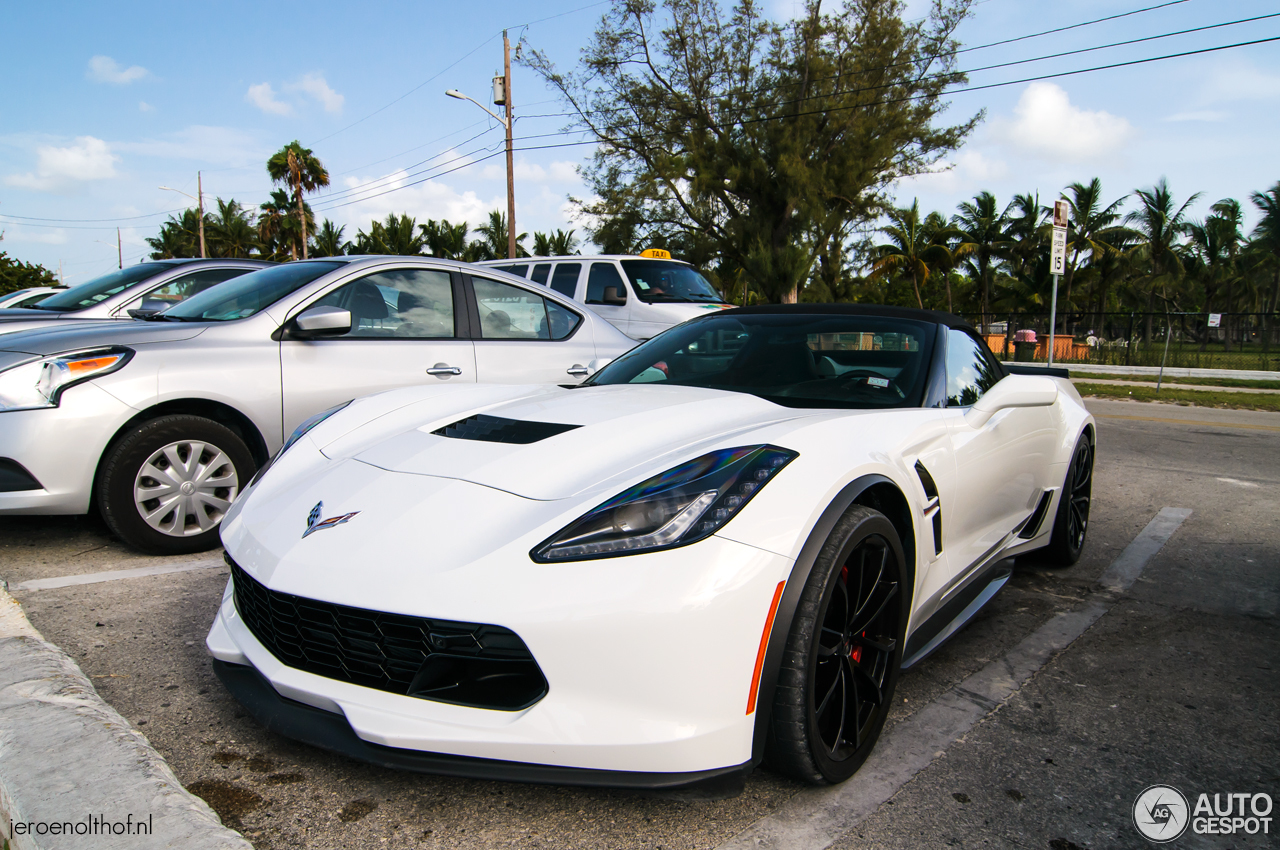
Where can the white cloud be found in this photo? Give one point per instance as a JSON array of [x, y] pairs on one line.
[[143, 106], [316, 87], [1046, 124], [222, 146], [1206, 115], [263, 96], [104, 69], [59, 168], [432, 199], [961, 175], [556, 172]]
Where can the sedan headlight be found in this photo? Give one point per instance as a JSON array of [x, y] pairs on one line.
[[40, 383], [298, 434], [680, 506]]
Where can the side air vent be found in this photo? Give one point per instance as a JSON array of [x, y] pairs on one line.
[[15, 478], [934, 507], [1032, 528], [495, 429]]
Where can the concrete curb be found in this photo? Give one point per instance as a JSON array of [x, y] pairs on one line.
[[1169, 372], [70, 762]]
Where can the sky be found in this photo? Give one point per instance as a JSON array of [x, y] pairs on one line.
[[104, 104]]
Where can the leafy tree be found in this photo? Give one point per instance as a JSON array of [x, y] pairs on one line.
[[765, 139], [445, 240], [916, 248], [558, 244], [16, 274], [328, 241], [398, 234], [298, 168], [1265, 246], [279, 229], [231, 231], [981, 224], [1088, 229], [179, 236], [1159, 226]]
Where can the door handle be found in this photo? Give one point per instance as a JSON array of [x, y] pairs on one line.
[[444, 369], [577, 370]]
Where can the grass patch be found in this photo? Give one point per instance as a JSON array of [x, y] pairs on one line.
[[1198, 382], [1196, 398]]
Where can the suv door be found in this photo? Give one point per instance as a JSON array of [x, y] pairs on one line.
[[408, 327], [524, 338], [603, 275]]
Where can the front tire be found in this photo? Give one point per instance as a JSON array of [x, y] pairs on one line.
[[165, 486], [844, 652]]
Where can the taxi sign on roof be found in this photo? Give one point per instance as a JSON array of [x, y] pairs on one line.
[[656, 254]]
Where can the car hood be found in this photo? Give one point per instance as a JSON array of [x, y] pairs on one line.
[[17, 314], [57, 337], [621, 432]]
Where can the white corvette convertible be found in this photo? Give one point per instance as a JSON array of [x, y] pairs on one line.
[[719, 550]]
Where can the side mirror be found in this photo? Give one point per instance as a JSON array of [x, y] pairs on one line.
[[149, 307], [614, 297], [320, 322], [1012, 391]]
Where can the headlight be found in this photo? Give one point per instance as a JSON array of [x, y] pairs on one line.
[[680, 506], [298, 434], [40, 383]]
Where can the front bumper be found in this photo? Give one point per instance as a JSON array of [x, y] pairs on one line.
[[648, 659]]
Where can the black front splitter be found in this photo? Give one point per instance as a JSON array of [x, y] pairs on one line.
[[330, 731]]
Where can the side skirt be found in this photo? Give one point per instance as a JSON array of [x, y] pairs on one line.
[[956, 611]]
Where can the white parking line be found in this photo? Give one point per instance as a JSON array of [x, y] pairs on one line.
[[817, 818], [114, 575]]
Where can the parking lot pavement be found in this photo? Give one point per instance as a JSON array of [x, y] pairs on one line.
[[1058, 766]]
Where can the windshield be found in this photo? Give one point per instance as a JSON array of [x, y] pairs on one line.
[[794, 360], [244, 296], [100, 288], [667, 281]]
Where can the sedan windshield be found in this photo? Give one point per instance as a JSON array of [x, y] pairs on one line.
[[87, 294], [244, 296], [795, 360], [668, 281]]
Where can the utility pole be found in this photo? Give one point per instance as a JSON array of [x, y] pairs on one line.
[[511, 176], [120, 248], [200, 203]]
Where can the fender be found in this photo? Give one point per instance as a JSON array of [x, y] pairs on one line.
[[791, 599]]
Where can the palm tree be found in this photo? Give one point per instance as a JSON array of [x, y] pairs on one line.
[[445, 240], [1265, 245], [178, 237], [1159, 226], [398, 234], [329, 240], [299, 168], [231, 232], [493, 242], [558, 244], [913, 248], [1089, 227], [277, 226], [982, 227]]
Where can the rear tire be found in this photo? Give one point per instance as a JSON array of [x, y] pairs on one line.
[[164, 487], [1071, 522], [844, 652]]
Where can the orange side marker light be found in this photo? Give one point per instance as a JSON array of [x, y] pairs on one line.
[[764, 644]]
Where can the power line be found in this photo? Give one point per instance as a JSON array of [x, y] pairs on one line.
[[86, 220]]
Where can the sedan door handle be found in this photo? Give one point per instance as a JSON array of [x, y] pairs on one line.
[[444, 369], [577, 370]]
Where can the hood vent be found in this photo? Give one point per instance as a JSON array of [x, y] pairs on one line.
[[496, 429]]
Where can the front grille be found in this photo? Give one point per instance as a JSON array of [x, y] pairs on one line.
[[496, 429], [472, 664]]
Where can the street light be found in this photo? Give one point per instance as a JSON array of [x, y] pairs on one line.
[[200, 202], [502, 96]]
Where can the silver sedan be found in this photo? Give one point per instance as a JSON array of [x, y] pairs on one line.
[[159, 424]]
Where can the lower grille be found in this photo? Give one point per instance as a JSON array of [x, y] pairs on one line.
[[471, 664]]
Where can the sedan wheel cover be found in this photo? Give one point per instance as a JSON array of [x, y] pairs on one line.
[[185, 488], [855, 648]]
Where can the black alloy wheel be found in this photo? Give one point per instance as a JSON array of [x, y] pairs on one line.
[[1071, 523], [843, 654]]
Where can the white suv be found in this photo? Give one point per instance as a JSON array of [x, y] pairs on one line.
[[640, 296]]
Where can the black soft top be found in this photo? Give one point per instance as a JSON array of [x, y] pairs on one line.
[[933, 316]]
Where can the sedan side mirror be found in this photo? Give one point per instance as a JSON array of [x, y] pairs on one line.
[[613, 296], [320, 322], [1012, 391]]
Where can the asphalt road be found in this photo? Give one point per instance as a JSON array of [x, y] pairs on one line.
[[1174, 684]]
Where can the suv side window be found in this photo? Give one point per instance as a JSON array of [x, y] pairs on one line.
[[510, 312], [971, 370], [541, 272], [406, 303], [604, 275], [565, 279]]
